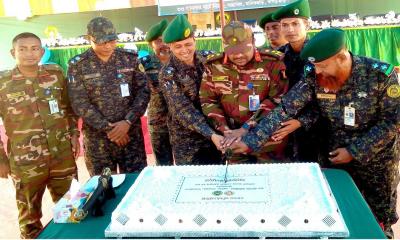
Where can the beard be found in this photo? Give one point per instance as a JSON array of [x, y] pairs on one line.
[[164, 51], [331, 82]]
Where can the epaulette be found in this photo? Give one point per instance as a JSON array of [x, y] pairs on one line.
[[129, 51], [52, 67], [385, 68], [271, 54], [5, 74], [76, 59], [205, 53], [213, 57], [145, 61], [308, 68]]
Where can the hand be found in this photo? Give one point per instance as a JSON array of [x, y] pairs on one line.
[[239, 147], [340, 156], [217, 140], [235, 133], [286, 128], [4, 170], [120, 129], [228, 141], [76, 146], [123, 141]]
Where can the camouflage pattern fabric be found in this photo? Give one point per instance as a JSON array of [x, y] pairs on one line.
[[189, 132], [40, 152], [157, 113], [307, 142], [95, 94], [374, 91], [225, 93], [102, 30]]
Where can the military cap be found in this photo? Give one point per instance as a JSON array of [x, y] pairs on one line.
[[300, 9], [178, 29], [101, 29], [324, 45], [267, 18], [237, 37], [156, 30]]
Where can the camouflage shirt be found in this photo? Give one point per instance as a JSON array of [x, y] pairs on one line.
[[373, 91], [225, 90], [189, 131], [34, 132], [95, 89], [157, 110]]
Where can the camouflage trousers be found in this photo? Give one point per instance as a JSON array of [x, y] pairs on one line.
[[100, 152], [30, 183], [378, 183], [162, 149]]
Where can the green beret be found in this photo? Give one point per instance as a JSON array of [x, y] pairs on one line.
[[178, 29], [300, 8], [324, 45], [267, 18], [156, 30]]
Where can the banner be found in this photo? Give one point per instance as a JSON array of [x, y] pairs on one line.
[[168, 7]]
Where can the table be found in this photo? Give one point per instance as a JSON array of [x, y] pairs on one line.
[[356, 213]]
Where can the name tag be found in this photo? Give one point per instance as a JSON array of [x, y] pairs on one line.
[[326, 96], [16, 94], [220, 78], [53, 105], [259, 77], [92, 75], [125, 70], [349, 115], [124, 90]]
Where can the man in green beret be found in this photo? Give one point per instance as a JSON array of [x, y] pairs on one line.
[[191, 137], [272, 29], [157, 111], [306, 143], [241, 85], [361, 98]]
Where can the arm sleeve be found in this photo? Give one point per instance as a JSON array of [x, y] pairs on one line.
[[71, 116], [295, 100], [278, 88], [141, 93], [385, 130], [182, 108], [3, 155], [210, 104], [80, 102], [308, 116]]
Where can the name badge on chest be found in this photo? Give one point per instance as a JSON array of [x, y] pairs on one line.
[[350, 115], [124, 90], [53, 105], [254, 100]]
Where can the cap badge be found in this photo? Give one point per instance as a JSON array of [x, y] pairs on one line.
[[187, 32]]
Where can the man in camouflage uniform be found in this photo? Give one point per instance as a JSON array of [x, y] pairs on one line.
[[157, 111], [361, 98], [180, 80], [107, 88], [42, 132], [272, 29], [235, 79], [306, 143]]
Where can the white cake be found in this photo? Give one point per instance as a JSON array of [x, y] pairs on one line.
[[255, 200]]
